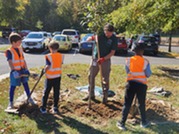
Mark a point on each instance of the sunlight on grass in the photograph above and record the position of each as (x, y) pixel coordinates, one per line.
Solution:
(73, 124)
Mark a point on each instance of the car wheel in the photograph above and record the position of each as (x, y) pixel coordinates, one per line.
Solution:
(125, 52)
(44, 47)
(155, 53)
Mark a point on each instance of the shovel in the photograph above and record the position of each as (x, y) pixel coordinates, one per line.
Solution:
(41, 74)
(134, 108)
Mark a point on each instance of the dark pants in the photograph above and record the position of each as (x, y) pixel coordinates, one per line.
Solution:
(49, 83)
(134, 88)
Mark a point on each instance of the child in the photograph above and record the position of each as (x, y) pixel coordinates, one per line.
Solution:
(138, 70)
(18, 68)
(53, 73)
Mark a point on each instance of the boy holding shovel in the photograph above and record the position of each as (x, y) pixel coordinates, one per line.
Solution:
(19, 71)
(53, 72)
(138, 70)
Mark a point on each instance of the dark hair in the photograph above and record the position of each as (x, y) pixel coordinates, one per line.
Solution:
(14, 37)
(139, 46)
(109, 27)
(54, 45)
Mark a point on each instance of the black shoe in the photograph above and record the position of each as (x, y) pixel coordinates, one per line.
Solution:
(121, 126)
(87, 97)
(55, 110)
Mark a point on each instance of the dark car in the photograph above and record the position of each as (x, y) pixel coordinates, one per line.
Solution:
(122, 46)
(85, 46)
(150, 42)
(24, 33)
(157, 37)
(7, 31)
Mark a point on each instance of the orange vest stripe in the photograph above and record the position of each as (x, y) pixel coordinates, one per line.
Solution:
(55, 67)
(137, 65)
(18, 61)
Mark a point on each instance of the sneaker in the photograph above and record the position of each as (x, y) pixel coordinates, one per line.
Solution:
(87, 97)
(121, 126)
(31, 101)
(55, 110)
(144, 125)
(43, 110)
(10, 105)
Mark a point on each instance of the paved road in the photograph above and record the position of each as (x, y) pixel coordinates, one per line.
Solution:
(37, 60)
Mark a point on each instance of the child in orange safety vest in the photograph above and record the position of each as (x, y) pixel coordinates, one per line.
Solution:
(53, 73)
(19, 71)
(138, 70)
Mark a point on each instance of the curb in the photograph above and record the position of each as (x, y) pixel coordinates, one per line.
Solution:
(4, 76)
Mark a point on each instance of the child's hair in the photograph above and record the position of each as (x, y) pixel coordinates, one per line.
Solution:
(54, 45)
(14, 37)
(139, 46)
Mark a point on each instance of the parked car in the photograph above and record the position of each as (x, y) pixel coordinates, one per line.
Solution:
(7, 31)
(73, 34)
(85, 46)
(56, 32)
(150, 42)
(34, 40)
(122, 46)
(24, 33)
(64, 42)
(158, 38)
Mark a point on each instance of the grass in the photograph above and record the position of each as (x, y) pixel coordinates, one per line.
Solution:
(73, 124)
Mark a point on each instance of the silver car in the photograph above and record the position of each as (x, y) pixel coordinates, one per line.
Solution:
(34, 40)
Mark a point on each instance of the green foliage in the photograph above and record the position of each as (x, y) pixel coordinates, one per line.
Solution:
(97, 14)
(147, 16)
(130, 16)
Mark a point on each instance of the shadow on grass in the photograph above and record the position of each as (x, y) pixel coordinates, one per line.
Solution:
(158, 124)
(161, 123)
(79, 126)
(51, 123)
(164, 75)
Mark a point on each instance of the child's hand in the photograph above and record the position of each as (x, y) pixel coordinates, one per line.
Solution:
(16, 74)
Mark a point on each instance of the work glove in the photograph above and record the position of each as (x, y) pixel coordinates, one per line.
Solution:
(25, 72)
(16, 74)
(101, 60)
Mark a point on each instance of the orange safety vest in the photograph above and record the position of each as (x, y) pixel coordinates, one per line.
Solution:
(55, 68)
(17, 61)
(137, 66)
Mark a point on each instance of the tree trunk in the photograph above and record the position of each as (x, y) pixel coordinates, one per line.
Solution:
(170, 42)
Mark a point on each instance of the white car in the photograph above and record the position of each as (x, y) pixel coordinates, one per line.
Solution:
(34, 40)
(73, 34)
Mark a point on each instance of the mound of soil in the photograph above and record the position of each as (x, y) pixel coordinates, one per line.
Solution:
(157, 110)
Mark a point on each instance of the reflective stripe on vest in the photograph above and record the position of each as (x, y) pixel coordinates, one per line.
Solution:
(55, 67)
(137, 65)
(18, 62)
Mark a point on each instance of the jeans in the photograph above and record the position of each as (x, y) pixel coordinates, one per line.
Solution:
(134, 88)
(49, 83)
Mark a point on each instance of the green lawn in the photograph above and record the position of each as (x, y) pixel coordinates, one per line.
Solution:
(76, 122)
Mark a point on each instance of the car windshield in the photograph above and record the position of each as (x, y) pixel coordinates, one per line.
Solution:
(86, 36)
(69, 33)
(60, 38)
(36, 36)
(24, 31)
(145, 38)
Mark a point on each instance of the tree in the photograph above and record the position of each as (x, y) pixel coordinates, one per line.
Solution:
(97, 13)
(147, 16)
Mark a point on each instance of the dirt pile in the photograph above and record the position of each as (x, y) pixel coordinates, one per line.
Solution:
(157, 110)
